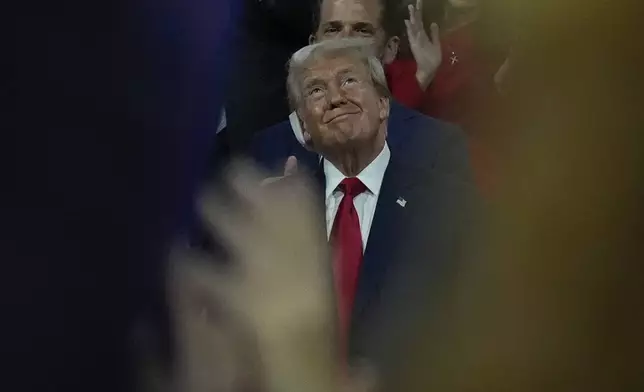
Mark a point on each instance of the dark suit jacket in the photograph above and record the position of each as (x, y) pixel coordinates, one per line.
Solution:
(412, 136)
(418, 242)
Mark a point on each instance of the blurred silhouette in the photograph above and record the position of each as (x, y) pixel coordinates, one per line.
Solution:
(267, 322)
(112, 106)
(471, 47)
(554, 301)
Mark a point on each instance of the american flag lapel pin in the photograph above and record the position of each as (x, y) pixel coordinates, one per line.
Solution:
(401, 202)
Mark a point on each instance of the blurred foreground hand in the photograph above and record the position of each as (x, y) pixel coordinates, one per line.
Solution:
(268, 319)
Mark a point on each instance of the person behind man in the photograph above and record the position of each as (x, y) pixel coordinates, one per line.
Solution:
(412, 134)
(387, 218)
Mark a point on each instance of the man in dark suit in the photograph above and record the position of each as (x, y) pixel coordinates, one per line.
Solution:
(420, 138)
(397, 225)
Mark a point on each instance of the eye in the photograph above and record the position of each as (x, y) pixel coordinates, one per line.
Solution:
(314, 92)
(364, 31)
(349, 80)
(331, 30)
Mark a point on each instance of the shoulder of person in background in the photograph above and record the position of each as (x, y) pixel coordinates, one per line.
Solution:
(271, 148)
(271, 144)
(422, 139)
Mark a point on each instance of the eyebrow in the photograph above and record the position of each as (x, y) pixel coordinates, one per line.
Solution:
(332, 23)
(312, 81)
(365, 26)
(346, 70)
(354, 25)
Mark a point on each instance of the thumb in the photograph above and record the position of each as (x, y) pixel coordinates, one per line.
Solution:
(435, 32)
(291, 166)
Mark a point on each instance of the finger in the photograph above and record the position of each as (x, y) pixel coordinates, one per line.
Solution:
(412, 15)
(290, 167)
(419, 14)
(270, 180)
(292, 219)
(198, 291)
(243, 177)
(411, 35)
(245, 181)
(435, 33)
(224, 220)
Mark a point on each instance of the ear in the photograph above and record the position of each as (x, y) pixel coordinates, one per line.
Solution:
(383, 106)
(311, 39)
(308, 139)
(391, 50)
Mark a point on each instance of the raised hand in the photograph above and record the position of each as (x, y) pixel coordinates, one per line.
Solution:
(290, 168)
(426, 52)
(279, 287)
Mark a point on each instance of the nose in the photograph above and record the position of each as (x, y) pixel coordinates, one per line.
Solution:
(336, 95)
(346, 32)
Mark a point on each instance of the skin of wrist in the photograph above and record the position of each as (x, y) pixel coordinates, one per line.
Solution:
(424, 78)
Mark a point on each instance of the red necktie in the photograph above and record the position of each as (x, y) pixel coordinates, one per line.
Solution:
(346, 238)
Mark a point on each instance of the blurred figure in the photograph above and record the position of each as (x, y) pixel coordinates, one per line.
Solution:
(464, 67)
(266, 322)
(111, 106)
(410, 134)
(555, 301)
(461, 89)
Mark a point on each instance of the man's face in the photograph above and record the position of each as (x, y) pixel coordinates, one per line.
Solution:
(341, 108)
(355, 18)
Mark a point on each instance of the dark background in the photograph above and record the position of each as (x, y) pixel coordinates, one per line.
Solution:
(111, 111)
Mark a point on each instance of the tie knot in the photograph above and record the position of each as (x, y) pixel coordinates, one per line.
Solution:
(352, 187)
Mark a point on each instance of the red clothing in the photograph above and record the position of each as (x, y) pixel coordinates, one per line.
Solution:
(347, 242)
(462, 92)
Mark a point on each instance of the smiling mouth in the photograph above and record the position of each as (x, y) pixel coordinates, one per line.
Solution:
(340, 117)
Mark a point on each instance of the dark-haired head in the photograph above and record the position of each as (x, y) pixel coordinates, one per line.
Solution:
(377, 19)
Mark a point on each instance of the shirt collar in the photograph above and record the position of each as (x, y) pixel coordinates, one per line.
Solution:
(296, 126)
(371, 176)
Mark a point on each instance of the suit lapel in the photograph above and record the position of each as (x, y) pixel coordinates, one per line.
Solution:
(390, 217)
(394, 210)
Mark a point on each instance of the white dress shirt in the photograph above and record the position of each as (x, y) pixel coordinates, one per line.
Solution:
(296, 126)
(365, 203)
(222, 121)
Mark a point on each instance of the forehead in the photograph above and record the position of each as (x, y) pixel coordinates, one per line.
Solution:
(350, 11)
(329, 66)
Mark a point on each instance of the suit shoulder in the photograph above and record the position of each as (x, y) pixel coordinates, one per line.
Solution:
(432, 142)
(433, 127)
(283, 127)
(271, 145)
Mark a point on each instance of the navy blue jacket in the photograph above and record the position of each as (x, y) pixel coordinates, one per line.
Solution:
(420, 240)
